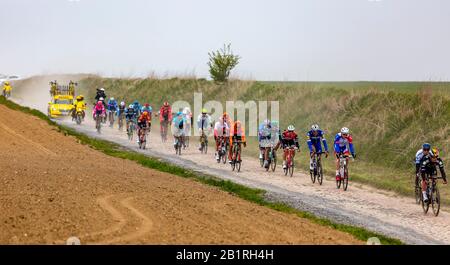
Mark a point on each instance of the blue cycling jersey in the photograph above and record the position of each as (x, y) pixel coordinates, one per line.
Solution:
(112, 105)
(316, 141)
(341, 143)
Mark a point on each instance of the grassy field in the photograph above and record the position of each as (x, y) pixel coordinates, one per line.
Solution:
(389, 120)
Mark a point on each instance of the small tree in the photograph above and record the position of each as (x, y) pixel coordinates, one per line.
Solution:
(221, 62)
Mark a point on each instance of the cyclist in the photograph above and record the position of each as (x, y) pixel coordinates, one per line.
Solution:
(265, 140)
(112, 104)
(289, 138)
(203, 124)
(315, 138)
(187, 114)
(149, 109)
(341, 141)
(121, 110)
(221, 130)
(130, 115)
(137, 108)
(7, 89)
(99, 109)
(165, 116)
(143, 123)
(78, 104)
(428, 159)
(178, 125)
(237, 134)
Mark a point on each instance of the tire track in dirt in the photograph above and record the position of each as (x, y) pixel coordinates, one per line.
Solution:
(122, 220)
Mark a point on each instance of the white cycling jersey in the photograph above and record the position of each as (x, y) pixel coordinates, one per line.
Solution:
(419, 155)
(203, 122)
(220, 127)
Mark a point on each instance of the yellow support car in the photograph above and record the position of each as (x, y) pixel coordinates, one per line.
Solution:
(61, 105)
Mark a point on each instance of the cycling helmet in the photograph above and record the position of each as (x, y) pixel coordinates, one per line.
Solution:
(426, 146)
(6, 83)
(131, 106)
(147, 105)
(112, 98)
(291, 128)
(345, 130)
(122, 103)
(179, 113)
(78, 97)
(266, 122)
(166, 103)
(204, 111)
(101, 99)
(102, 89)
(315, 127)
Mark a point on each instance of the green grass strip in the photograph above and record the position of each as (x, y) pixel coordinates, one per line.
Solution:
(246, 193)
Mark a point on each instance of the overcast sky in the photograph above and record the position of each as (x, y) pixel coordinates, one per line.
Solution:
(277, 40)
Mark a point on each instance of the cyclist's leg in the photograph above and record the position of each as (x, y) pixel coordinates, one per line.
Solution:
(239, 153)
(230, 151)
(337, 166)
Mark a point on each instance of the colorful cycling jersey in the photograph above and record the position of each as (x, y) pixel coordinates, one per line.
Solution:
(316, 141)
(165, 113)
(419, 155)
(203, 122)
(289, 138)
(264, 132)
(221, 129)
(341, 143)
(99, 109)
(121, 109)
(112, 105)
(149, 109)
(237, 132)
(137, 108)
(130, 113)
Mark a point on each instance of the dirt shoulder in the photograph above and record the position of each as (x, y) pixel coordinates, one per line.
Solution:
(52, 188)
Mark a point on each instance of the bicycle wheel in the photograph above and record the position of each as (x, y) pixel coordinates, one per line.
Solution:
(291, 168)
(338, 183)
(425, 205)
(144, 141)
(286, 169)
(435, 201)
(234, 157)
(273, 165)
(345, 180)
(224, 156)
(319, 172)
(417, 191)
